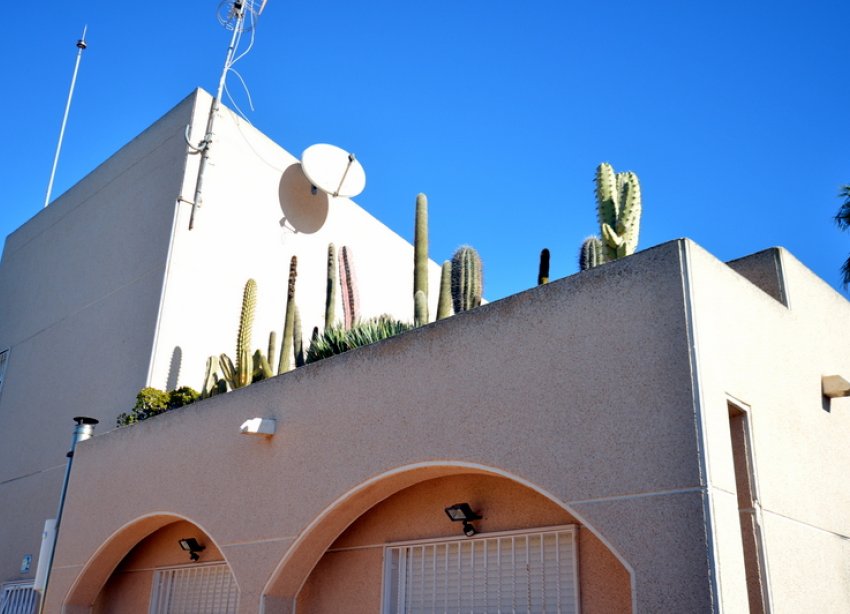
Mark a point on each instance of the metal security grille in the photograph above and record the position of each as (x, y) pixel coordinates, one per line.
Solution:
(19, 598)
(521, 572)
(204, 589)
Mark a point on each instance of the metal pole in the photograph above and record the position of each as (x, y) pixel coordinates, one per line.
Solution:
(205, 144)
(81, 45)
(84, 430)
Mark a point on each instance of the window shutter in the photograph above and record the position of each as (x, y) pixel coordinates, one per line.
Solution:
(187, 590)
(18, 598)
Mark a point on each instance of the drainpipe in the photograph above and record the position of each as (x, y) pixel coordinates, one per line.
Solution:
(82, 431)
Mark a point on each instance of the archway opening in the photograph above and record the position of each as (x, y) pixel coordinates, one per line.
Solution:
(358, 567)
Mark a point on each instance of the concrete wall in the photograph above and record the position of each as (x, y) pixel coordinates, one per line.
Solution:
(768, 359)
(349, 576)
(257, 213)
(107, 290)
(580, 390)
(79, 294)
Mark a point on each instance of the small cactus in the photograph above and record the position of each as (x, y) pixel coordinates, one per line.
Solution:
(272, 347)
(467, 279)
(286, 343)
(543, 269)
(210, 378)
(590, 254)
(297, 340)
(330, 288)
(262, 369)
(444, 305)
(348, 284)
(420, 261)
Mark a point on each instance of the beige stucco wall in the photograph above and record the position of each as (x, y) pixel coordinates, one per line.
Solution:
(107, 290)
(79, 293)
(349, 576)
(580, 390)
(754, 351)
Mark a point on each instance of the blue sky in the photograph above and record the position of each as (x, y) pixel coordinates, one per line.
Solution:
(734, 115)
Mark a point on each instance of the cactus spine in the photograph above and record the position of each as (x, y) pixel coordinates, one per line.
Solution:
(330, 288)
(590, 253)
(286, 343)
(444, 305)
(298, 340)
(348, 285)
(543, 269)
(618, 209)
(467, 279)
(420, 262)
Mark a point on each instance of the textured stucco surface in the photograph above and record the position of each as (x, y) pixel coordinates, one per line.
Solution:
(519, 387)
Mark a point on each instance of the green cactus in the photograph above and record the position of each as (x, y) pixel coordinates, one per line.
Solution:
(618, 208)
(420, 309)
(261, 367)
(286, 343)
(239, 375)
(348, 284)
(330, 288)
(543, 269)
(444, 305)
(590, 253)
(272, 347)
(420, 261)
(467, 279)
(298, 340)
(211, 379)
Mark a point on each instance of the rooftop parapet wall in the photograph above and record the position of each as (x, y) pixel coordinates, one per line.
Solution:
(580, 388)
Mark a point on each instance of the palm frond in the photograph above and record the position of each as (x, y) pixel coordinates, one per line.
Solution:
(842, 218)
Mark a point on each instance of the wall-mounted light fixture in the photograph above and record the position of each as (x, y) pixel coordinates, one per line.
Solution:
(834, 386)
(263, 427)
(462, 512)
(191, 545)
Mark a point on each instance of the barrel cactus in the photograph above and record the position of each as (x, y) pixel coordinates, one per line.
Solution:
(467, 279)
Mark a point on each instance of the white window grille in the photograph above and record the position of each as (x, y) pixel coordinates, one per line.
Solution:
(18, 598)
(200, 589)
(529, 572)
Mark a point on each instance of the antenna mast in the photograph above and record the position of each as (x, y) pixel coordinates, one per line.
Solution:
(81, 45)
(234, 19)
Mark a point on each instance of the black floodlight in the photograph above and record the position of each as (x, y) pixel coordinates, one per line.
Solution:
(462, 512)
(191, 545)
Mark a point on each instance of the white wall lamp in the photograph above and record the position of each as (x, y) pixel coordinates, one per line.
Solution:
(834, 386)
(262, 427)
(462, 512)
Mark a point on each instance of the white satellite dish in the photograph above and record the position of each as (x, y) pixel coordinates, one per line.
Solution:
(333, 170)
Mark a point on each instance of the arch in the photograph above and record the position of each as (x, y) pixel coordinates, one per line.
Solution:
(292, 572)
(99, 568)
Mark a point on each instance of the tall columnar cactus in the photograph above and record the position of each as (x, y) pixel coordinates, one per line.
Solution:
(444, 305)
(298, 339)
(239, 374)
(420, 261)
(348, 285)
(286, 343)
(272, 347)
(543, 269)
(420, 309)
(330, 288)
(590, 253)
(467, 279)
(618, 208)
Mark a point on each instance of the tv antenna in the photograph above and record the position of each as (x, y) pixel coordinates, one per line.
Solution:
(238, 16)
(81, 45)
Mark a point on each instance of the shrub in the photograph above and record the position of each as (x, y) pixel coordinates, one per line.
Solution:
(151, 402)
(337, 339)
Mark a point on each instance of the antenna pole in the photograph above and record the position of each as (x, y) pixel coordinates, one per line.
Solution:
(239, 12)
(81, 45)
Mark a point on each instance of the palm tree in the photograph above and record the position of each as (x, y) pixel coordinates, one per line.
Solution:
(842, 218)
